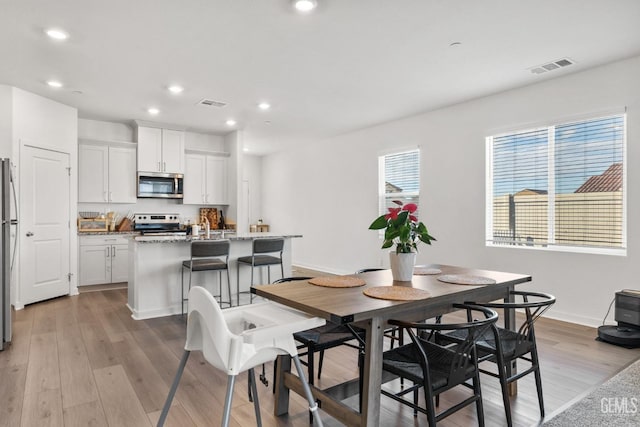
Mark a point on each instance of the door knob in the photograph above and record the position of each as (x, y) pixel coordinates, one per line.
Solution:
(29, 234)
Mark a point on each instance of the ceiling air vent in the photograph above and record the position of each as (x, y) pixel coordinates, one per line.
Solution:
(211, 103)
(560, 63)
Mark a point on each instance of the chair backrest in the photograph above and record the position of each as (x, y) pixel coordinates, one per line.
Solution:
(534, 305)
(209, 248)
(205, 322)
(291, 279)
(367, 270)
(461, 356)
(263, 246)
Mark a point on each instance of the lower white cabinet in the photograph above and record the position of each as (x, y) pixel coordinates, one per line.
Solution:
(103, 259)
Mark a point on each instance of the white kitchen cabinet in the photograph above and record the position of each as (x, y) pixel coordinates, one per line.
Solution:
(93, 265)
(206, 181)
(119, 263)
(217, 181)
(160, 150)
(107, 173)
(103, 259)
(194, 185)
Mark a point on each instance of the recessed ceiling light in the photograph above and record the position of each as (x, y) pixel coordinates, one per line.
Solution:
(57, 34)
(305, 6)
(175, 89)
(153, 111)
(245, 149)
(264, 106)
(230, 122)
(54, 83)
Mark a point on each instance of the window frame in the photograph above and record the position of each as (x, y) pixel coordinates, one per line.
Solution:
(382, 207)
(551, 156)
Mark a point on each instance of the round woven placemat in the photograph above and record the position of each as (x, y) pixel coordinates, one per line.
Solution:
(425, 271)
(466, 279)
(396, 293)
(337, 281)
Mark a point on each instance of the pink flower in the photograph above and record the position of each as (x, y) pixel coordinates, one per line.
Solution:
(411, 207)
(393, 213)
(413, 218)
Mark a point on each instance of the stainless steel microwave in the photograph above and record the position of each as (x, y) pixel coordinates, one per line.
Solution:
(160, 185)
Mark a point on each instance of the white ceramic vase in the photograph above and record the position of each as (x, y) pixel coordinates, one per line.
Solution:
(402, 266)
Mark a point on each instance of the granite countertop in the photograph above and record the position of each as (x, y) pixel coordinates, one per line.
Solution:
(214, 236)
(108, 233)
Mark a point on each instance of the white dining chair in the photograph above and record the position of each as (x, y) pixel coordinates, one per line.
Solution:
(237, 339)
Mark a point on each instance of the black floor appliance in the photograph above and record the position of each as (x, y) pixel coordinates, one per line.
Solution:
(627, 314)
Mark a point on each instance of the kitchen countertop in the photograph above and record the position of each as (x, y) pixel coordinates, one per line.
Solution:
(108, 233)
(214, 236)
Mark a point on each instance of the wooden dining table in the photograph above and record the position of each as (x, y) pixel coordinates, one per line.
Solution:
(351, 306)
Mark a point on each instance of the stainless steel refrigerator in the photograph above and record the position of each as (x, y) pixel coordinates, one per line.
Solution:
(7, 249)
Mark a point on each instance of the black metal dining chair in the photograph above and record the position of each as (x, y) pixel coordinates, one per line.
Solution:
(436, 368)
(503, 346)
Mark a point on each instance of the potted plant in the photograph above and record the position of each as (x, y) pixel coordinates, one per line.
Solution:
(405, 231)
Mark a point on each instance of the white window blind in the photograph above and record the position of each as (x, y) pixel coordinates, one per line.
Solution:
(400, 178)
(559, 186)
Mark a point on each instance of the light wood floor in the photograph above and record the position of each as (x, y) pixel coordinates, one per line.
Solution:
(82, 361)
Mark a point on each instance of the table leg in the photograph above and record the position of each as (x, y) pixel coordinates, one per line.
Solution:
(510, 323)
(372, 380)
(281, 406)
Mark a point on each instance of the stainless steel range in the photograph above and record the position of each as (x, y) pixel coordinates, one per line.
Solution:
(158, 224)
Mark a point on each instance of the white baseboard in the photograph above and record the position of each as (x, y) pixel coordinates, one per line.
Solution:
(573, 318)
(150, 314)
(320, 268)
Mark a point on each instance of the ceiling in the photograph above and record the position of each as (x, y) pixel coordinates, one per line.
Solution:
(349, 65)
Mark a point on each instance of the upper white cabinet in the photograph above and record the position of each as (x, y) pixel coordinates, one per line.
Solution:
(160, 150)
(107, 172)
(217, 181)
(206, 182)
(194, 186)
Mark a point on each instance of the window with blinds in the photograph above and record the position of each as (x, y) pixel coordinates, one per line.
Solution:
(561, 186)
(399, 178)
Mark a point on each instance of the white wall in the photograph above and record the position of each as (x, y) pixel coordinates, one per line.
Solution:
(252, 176)
(6, 120)
(43, 123)
(109, 131)
(328, 191)
(233, 146)
(104, 131)
(203, 141)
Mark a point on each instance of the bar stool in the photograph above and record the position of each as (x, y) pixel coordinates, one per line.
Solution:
(204, 257)
(259, 259)
(237, 340)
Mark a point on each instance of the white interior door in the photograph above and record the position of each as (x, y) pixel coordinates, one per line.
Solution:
(45, 216)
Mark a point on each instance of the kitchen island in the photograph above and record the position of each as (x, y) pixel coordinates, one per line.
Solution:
(155, 266)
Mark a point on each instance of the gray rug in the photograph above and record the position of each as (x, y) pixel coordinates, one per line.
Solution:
(614, 403)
